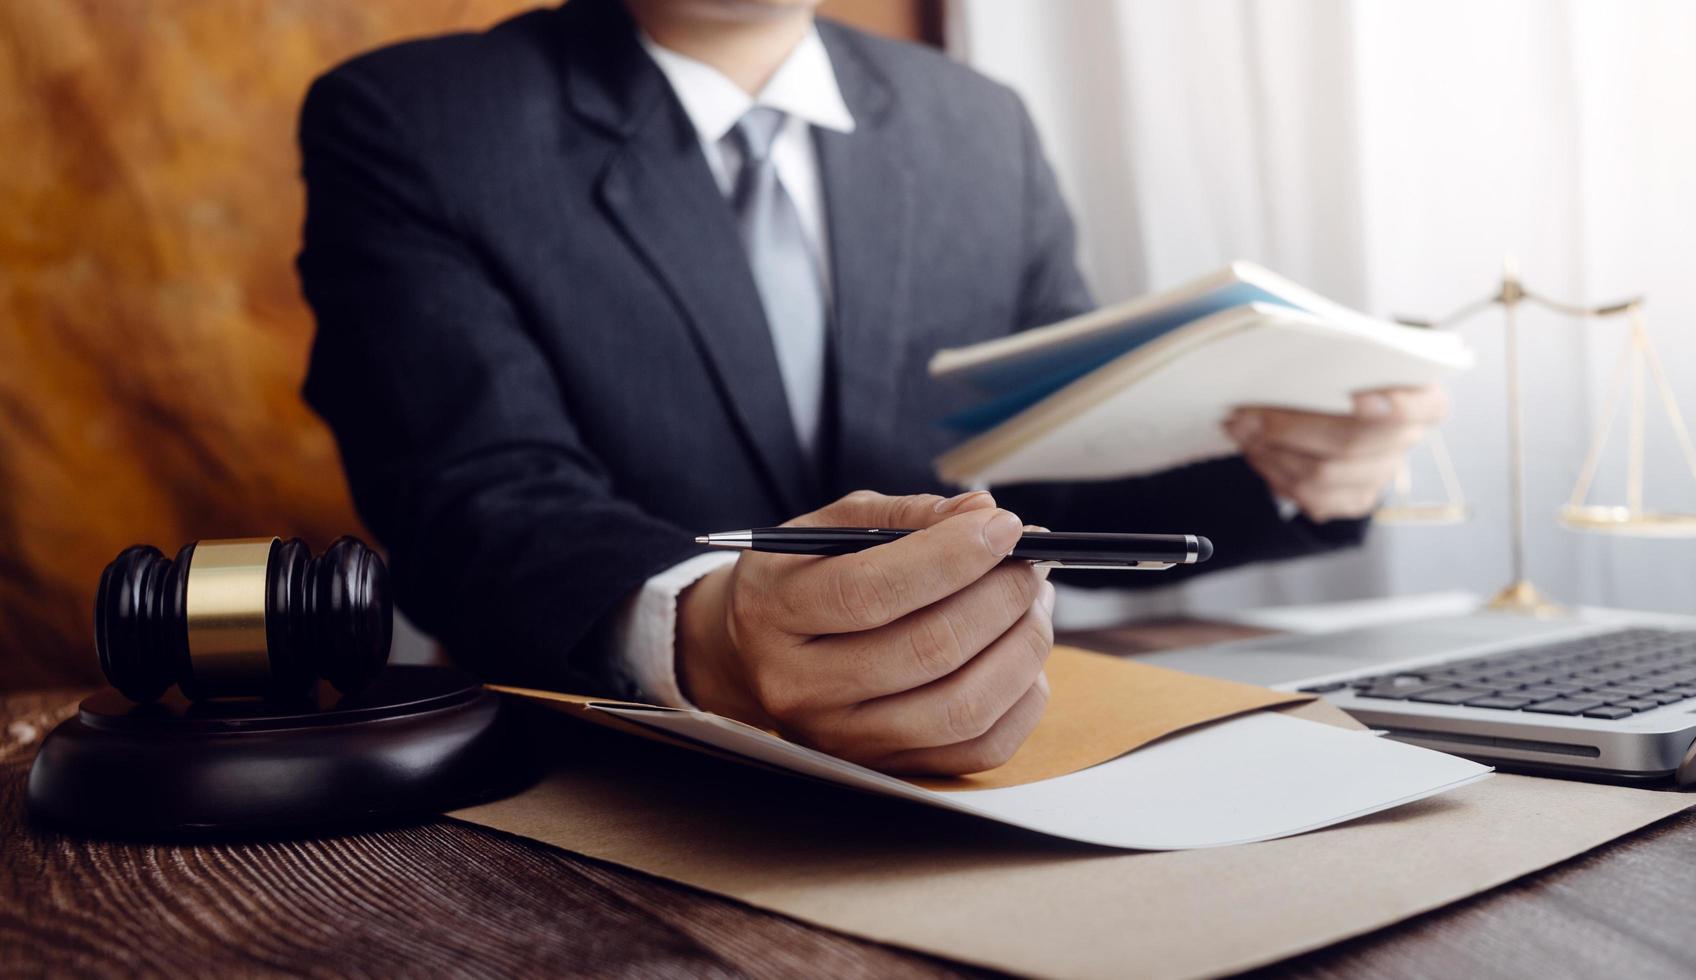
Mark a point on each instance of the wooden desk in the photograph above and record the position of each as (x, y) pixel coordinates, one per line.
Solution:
(442, 897)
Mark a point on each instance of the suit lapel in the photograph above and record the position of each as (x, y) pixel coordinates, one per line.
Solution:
(660, 193)
(869, 202)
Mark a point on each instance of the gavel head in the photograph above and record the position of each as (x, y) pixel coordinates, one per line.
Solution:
(243, 618)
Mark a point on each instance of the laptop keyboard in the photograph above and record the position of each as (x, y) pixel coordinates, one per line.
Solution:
(1609, 675)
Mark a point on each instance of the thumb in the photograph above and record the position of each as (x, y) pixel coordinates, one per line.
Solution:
(868, 508)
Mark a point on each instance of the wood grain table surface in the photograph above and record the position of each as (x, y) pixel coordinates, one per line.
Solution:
(445, 898)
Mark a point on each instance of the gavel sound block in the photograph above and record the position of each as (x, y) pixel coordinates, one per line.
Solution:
(250, 697)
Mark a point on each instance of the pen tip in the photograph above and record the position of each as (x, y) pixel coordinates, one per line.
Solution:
(703, 539)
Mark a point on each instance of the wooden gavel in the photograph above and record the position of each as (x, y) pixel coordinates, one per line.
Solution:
(249, 617)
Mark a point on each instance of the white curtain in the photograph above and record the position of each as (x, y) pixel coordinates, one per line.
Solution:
(1389, 153)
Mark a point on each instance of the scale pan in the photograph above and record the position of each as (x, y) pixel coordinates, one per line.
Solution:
(1624, 521)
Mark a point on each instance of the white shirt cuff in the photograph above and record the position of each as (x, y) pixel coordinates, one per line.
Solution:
(647, 628)
(1288, 510)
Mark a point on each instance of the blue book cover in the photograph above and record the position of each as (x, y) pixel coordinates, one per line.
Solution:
(1012, 384)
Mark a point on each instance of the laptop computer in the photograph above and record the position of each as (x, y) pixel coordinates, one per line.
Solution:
(1610, 698)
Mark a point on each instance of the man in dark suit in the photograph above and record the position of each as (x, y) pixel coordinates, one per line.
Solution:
(611, 275)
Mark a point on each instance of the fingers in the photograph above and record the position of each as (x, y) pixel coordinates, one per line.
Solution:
(1336, 466)
(1389, 420)
(1425, 405)
(873, 588)
(987, 751)
(961, 707)
(1319, 434)
(926, 645)
(1297, 471)
(1324, 489)
(867, 508)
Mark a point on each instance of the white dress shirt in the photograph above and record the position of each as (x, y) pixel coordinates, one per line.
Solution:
(803, 87)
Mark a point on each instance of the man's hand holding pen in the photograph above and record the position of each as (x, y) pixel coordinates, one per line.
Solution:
(922, 655)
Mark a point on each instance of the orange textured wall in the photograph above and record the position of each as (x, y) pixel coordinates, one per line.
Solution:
(152, 336)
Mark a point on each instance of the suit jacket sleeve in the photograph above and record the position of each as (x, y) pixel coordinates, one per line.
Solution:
(1223, 499)
(505, 538)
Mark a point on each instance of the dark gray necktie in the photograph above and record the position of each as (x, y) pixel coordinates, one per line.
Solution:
(784, 268)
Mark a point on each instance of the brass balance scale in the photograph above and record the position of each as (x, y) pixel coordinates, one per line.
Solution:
(1638, 366)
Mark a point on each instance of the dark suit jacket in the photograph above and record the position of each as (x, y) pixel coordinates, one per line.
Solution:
(545, 362)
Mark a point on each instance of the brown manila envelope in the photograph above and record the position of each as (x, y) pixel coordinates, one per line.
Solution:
(1078, 777)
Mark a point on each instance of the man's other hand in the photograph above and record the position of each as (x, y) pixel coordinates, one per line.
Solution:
(1337, 466)
(922, 655)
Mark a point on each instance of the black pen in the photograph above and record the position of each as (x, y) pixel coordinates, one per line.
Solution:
(1051, 549)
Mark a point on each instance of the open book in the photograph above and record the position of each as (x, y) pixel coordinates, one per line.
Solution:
(1128, 755)
(1144, 386)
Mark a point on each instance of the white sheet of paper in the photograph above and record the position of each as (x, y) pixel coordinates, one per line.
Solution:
(1252, 778)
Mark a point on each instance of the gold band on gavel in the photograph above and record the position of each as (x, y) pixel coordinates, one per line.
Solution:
(225, 602)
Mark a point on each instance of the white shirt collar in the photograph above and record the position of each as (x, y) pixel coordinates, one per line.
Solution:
(804, 86)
